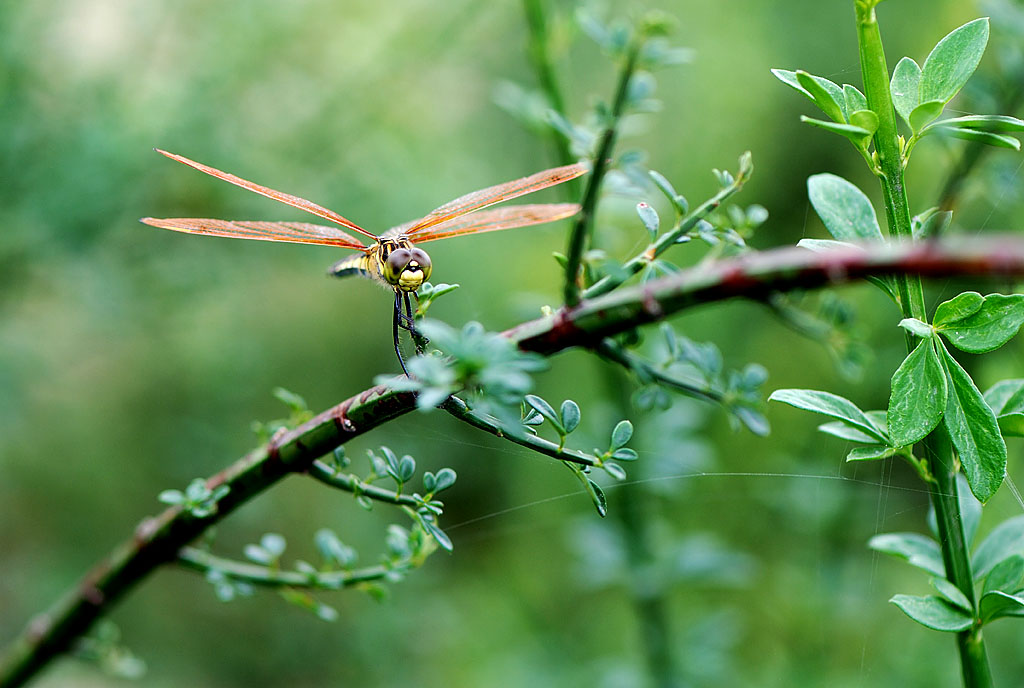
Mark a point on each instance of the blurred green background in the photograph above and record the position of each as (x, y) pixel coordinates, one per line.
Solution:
(133, 360)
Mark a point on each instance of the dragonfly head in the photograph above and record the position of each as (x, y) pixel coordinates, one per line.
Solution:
(407, 268)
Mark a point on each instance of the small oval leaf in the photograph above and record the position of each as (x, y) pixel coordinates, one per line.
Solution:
(570, 413)
(905, 87)
(934, 612)
(621, 434)
(953, 60)
(843, 208)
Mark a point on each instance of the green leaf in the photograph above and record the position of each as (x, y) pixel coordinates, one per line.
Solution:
(998, 603)
(1011, 424)
(921, 330)
(621, 434)
(870, 453)
(570, 413)
(858, 135)
(752, 420)
(952, 594)
(597, 497)
(957, 308)
(826, 95)
(905, 86)
(931, 223)
(544, 408)
(1005, 540)
(440, 537)
(934, 612)
(953, 60)
(843, 208)
(880, 421)
(918, 395)
(1006, 399)
(273, 543)
(444, 479)
(171, 496)
(989, 139)
(974, 431)
(293, 401)
(925, 113)
(391, 460)
(1006, 575)
(918, 550)
(614, 470)
(822, 245)
(843, 431)
(649, 217)
(625, 454)
(258, 554)
(406, 469)
(855, 100)
(865, 119)
(829, 404)
(788, 77)
(665, 186)
(993, 123)
(989, 327)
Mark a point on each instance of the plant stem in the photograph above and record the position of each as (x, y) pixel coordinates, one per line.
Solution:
(348, 482)
(669, 239)
(757, 276)
(255, 574)
(579, 238)
(937, 446)
(458, 408)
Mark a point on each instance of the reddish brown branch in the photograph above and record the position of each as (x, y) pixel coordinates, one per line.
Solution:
(157, 540)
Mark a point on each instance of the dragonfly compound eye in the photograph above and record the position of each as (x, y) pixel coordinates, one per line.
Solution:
(407, 268)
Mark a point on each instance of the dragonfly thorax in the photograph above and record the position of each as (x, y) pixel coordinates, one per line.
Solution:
(402, 265)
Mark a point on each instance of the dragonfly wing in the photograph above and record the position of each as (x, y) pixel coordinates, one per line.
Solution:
(294, 201)
(507, 217)
(496, 194)
(295, 232)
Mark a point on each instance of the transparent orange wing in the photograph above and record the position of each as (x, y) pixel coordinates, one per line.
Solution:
(495, 194)
(295, 232)
(507, 217)
(294, 201)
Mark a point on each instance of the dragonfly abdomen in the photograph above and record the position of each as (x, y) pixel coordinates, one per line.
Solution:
(361, 264)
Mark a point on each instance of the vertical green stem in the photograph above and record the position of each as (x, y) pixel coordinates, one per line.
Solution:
(937, 446)
(581, 231)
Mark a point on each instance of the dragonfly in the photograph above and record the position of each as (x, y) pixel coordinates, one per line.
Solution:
(394, 258)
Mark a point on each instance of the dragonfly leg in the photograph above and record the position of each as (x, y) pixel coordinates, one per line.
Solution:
(394, 328)
(418, 339)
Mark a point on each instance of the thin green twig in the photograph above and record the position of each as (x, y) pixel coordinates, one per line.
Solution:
(348, 482)
(612, 351)
(671, 237)
(256, 574)
(458, 408)
(582, 229)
